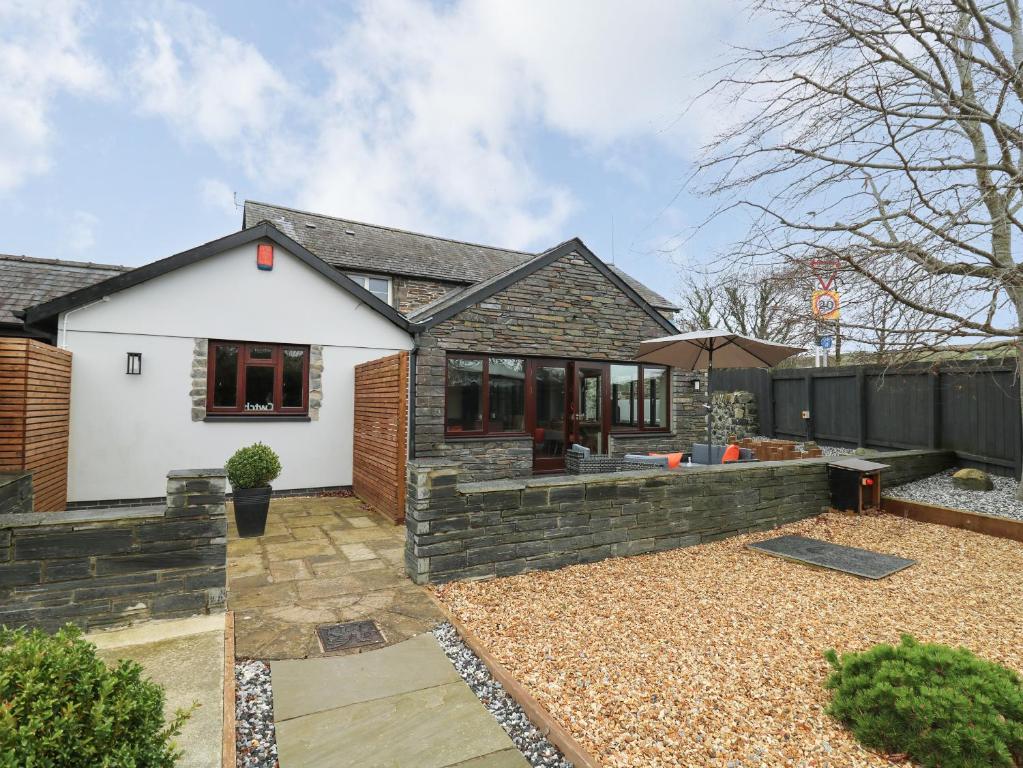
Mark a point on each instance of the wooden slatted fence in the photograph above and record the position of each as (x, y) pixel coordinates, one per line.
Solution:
(381, 434)
(35, 408)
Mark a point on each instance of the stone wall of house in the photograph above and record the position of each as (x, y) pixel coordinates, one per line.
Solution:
(470, 530)
(15, 493)
(567, 309)
(735, 413)
(110, 567)
(410, 293)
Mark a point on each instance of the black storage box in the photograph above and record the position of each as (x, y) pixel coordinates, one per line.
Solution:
(855, 485)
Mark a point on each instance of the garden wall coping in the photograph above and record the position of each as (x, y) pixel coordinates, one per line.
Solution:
(35, 519)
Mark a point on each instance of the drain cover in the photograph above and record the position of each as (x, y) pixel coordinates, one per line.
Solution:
(338, 637)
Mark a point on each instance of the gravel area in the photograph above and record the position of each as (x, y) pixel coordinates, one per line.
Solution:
(712, 655)
(254, 716)
(534, 745)
(938, 490)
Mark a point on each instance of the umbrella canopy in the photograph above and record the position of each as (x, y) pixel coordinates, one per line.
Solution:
(705, 349)
(700, 349)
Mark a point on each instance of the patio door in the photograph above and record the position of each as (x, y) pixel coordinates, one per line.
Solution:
(587, 408)
(566, 403)
(547, 413)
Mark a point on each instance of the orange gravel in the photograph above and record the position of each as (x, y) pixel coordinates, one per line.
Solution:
(711, 655)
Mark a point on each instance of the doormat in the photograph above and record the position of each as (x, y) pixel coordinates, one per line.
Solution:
(859, 562)
(339, 637)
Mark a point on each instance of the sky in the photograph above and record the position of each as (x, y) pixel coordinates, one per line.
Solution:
(130, 129)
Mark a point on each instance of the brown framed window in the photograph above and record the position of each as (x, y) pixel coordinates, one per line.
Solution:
(256, 379)
(485, 395)
(640, 397)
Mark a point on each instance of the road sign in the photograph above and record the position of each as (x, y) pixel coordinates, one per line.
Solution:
(825, 342)
(825, 305)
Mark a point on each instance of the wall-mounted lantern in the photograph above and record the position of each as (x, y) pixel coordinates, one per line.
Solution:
(134, 364)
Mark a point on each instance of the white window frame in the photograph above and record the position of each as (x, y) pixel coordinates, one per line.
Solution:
(363, 280)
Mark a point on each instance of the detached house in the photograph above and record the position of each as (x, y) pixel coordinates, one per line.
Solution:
(513, 356)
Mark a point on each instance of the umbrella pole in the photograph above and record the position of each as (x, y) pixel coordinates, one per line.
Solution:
(710, 405)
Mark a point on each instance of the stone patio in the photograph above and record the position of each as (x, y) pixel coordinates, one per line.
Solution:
(321, 561)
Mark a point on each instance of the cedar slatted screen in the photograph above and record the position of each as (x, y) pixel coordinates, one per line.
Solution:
(381, 434)
(35, 407)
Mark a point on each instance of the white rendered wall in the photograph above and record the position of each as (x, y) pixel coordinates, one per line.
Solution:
(128, 431)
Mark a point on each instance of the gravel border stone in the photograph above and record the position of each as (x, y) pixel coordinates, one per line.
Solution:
(938, 490)
(255, 737)
(535, 747)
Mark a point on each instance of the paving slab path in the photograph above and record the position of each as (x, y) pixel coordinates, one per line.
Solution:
(403, 706)
(322, 560)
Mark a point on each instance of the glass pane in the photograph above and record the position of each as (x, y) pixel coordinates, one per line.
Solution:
(225, 376)
(625, 395)
(359, 279)
(464, 395)
(655, 400)
(589, 407)
(293, 382)
(507, 394)
(549, 436)
(259, 388)
(378, 288)
(261, 353)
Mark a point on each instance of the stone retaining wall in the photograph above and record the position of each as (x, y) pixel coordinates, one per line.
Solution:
(109, 567)
(15, 493)
(498, 528)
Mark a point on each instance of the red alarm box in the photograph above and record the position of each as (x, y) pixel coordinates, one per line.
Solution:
(265, 256)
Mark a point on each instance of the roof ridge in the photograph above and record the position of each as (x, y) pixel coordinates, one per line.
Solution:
(395, 229)
(62, 262)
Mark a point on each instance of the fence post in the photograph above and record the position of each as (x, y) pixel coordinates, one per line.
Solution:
(934, 434)
(808, 379)
(768, 411)
(861, 407)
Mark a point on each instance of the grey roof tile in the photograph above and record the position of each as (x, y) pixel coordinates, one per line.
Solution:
(353, 245)
(26, 281)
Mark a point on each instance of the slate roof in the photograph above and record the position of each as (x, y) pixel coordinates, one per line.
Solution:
(355, 246)
(25, 281)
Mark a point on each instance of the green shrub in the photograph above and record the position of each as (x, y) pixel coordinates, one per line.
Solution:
(940, 706)
(253, 466)
(60, 705)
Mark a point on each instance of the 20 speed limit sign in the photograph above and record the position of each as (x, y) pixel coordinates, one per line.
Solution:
(825, 305)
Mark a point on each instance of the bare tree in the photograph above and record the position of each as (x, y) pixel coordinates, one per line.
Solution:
(766, 304)
(887, 135)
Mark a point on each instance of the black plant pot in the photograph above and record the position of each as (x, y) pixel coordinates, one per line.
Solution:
(250, 508)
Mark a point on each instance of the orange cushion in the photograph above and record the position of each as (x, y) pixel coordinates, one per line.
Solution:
(674, 459)
(731, 454)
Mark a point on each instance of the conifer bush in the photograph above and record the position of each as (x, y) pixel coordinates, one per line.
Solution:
(943, 707)
(61, 705)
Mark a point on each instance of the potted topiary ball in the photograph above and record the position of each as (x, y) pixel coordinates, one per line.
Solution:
(250, 471)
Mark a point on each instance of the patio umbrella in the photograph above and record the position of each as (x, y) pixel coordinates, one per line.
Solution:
(703, 349)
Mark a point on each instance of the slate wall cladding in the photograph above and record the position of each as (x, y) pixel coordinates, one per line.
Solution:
(15, 493)
(101, 568)
(474, 530)
(410, 293)
(200, 361)
(735, 413)
(566, 309)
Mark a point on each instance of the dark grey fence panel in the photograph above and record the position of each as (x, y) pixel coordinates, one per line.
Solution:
(972, 410)
(835, 412)
(897, 407)
(789, 402)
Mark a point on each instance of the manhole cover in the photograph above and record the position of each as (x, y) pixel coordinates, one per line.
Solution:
(338, 637)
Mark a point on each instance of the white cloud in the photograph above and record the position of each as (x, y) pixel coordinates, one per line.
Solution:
(42, 55)
(81, 231)
(218, 196)
(429, 113)
(208, 85)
